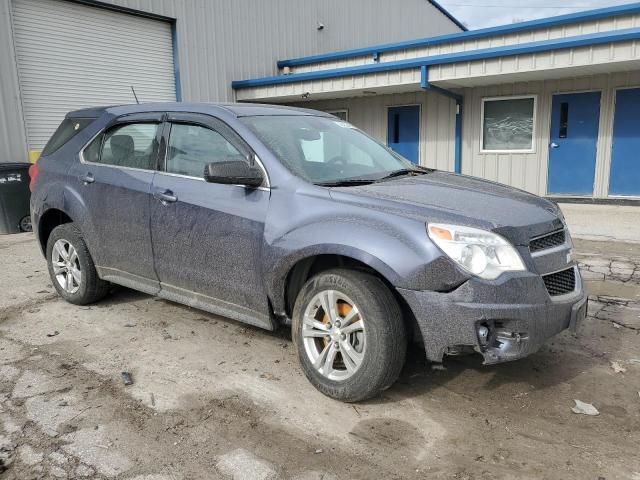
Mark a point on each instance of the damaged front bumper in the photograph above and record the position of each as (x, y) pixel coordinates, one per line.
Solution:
(503, 320)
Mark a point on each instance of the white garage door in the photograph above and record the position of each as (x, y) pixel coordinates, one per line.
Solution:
(73, 56)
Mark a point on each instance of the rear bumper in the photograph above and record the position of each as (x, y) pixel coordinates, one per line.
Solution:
(517, 312)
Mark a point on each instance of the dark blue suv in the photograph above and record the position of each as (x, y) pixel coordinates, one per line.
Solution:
(280, 216)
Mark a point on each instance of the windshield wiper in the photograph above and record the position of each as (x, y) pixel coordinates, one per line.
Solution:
(406, 171)
(349, 182)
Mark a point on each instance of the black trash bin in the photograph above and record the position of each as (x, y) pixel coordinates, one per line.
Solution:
(14, 198)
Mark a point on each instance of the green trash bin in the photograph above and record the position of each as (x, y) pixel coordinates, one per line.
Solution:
(14, 198)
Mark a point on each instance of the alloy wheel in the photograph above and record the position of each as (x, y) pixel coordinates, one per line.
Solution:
(333, 334)
(66, 266)
(25, 224)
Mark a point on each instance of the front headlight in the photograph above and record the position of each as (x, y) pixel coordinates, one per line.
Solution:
(479, 252)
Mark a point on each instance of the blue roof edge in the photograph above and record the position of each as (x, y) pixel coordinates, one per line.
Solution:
(469, 55)
(449, 15)
(587, 15)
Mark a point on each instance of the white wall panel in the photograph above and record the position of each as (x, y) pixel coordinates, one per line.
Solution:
(437, 121)
(528, 171)
(558, 32)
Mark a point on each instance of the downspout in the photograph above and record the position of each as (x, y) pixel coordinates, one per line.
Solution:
(424, 83)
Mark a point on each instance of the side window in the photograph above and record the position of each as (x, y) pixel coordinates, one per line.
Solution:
(92, 151)
(68, 129)
(192, 147)
(132, 145)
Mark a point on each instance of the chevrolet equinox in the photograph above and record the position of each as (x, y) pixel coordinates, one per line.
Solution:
(282, 216)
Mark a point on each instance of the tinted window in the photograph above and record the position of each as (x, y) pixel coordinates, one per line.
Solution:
(192, 147)
(92, 151)
(68, 129)
(132, 145)
(321, 149)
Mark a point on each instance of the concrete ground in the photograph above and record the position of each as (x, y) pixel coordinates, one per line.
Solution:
(216, 399)
(619, 223)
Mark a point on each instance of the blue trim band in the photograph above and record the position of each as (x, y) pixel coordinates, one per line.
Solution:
(588, 15)
(483, 54)
(424, 83)
(457, 163)
(448, 14)
(424, 77)
(176, 61)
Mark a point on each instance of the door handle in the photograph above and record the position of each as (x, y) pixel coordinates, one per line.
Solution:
(165, 196)
(87, 179)
(554, 145)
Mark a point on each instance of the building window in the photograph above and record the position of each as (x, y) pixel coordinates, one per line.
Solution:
(508, 124)
(341, 114)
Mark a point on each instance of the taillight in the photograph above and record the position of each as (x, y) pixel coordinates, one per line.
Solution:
(33, 175)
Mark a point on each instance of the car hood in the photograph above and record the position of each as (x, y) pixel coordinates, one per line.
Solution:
(451, 198)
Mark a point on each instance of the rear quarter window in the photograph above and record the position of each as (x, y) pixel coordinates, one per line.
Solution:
(68, 129)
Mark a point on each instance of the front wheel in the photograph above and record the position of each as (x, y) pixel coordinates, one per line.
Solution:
(349, 334)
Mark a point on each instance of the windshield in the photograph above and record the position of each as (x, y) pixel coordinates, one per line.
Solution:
(326, 150)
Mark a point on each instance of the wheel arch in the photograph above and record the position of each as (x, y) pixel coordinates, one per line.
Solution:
(49, 220)
(307, 267)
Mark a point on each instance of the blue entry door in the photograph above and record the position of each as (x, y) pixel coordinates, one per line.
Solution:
(624, 178)
(403, 131)
(573, 142)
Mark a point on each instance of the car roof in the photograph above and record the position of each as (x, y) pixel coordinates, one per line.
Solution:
(236, 109)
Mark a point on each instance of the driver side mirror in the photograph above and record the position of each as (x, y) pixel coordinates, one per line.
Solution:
(233, 172)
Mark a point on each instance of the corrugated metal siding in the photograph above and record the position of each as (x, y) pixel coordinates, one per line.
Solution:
(565, 31)
(13, 142)
(528, 171)
(225, 40)
(73, 56)
(437, 122)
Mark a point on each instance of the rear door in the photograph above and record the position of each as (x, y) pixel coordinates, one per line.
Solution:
(114, 180)
(207, 238)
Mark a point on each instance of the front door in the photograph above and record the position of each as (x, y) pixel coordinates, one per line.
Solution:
(403, 131)
(624, 179)
(207, 238)
(573, 142)
(114, 182)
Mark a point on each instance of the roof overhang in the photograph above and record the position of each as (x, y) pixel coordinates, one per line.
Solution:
(560, 20)
(556, 58)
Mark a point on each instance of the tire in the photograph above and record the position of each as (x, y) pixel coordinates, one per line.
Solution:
(85, 288)
(25, 224)
(380, 345)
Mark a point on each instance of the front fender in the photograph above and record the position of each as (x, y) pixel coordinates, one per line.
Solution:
(399, 252)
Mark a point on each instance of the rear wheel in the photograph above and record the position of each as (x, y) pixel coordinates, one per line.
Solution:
(71, 268)
(349, 334)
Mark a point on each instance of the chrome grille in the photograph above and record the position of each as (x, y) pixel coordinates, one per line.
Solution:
(550, 240)
(560, 283)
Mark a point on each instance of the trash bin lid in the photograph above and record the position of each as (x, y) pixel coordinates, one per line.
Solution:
(14, 165)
